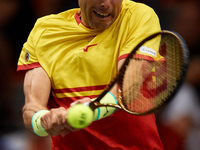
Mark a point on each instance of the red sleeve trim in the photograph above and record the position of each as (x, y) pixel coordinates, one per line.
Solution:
(123, 56)
(137, 56)
(28, 66)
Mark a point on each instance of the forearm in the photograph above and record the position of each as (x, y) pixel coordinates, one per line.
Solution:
(28, 111)
(42, 122)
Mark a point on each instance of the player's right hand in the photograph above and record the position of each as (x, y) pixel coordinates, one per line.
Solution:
(54, 122)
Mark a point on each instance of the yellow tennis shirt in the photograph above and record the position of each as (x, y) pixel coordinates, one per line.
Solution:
(81, 61)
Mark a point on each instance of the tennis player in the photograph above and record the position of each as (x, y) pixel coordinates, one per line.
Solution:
(73, 56)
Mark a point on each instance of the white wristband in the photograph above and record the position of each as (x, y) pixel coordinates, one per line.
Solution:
(36, 124)
(102, 112)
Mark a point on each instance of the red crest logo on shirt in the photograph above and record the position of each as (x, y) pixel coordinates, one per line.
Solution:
(26, 56)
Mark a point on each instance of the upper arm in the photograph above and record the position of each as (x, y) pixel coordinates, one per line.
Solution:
(140, 68)
(37, 87)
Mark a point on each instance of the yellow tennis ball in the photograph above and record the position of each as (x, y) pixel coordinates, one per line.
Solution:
(79, 116)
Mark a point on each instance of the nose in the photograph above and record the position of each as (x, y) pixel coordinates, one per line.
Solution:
(105, 3)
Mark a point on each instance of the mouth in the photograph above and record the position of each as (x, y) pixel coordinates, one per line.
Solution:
(102, 15)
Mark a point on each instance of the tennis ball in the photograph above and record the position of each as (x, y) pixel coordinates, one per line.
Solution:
(79, 116)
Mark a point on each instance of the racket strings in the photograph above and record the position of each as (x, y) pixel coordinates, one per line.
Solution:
(171, 69)
(146, 87)
(133, 83)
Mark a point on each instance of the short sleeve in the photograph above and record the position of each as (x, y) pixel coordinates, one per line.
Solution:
(142, 22)
(28, 59)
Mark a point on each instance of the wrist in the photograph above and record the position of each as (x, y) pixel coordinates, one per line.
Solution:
(36, 123)
(102, 112)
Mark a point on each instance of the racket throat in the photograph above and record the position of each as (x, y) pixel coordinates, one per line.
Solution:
(93, 105)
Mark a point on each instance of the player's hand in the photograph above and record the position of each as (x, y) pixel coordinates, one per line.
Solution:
(81, 101)
(54, 122)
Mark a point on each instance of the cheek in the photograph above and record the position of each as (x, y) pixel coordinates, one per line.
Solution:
(116, 14)
(117, 8)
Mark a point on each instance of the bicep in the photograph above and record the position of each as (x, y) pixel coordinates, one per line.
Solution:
(37, 86)
(114, 90)
(138, 65)
(139, 68)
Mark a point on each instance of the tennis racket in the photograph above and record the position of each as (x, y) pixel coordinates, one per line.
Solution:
(144, 86)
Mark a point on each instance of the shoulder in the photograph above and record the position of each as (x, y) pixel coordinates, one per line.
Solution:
(55, 20)
(138, 14)
(135, 8)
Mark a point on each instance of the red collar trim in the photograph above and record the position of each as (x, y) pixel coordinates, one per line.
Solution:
(78, 20)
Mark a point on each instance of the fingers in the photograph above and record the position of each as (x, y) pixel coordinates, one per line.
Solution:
(55, 122)
(63, 133)
(81, 101)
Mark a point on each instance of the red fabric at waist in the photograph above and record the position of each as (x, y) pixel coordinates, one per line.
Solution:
(120, 131)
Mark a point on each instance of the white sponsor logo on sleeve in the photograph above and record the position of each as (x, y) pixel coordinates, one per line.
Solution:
(147, 50)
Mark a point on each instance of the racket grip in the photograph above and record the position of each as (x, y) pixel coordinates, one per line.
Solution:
(86, 103)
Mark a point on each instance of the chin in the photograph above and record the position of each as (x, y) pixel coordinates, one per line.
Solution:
(101, 26)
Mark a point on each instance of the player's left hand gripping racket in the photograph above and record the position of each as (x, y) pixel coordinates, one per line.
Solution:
(144, 88)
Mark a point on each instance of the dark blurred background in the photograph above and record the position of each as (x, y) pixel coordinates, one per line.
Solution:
(178, 123)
